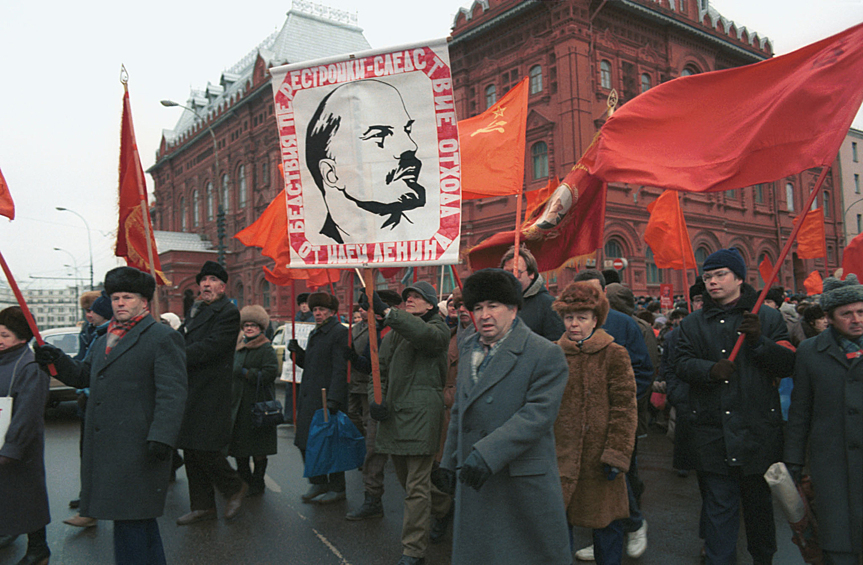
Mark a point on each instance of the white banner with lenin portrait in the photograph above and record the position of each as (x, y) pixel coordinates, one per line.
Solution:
(369, 145)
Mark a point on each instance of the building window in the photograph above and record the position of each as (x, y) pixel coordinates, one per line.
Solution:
(789, 197)
(239, 295)
(856, 183)
(539, 153)
(701, 255)
(605, 74)
(826, 196)
(265, 174)
(654, 275)
(490, 96)
(183, 214)
(731, 194)
(226, 196)
(613, 249)
(689, 70)
(759, 194)
(265, 294)
(210, 202)
(859, 223)
(535, 79)
(196, 209)
(241, 174)
(645, 82)
(854, 151)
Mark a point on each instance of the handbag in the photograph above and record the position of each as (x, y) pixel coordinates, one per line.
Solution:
(266, 413)
(6, 406)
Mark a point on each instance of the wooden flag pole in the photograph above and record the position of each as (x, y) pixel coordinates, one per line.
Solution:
(27, 315)
(368, 277)
(294, 357)
(517, 234)
(324, 404)
(782, 256)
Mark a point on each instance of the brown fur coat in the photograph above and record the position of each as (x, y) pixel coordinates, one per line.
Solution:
(595, 426)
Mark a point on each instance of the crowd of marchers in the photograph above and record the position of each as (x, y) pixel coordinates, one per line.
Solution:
(510, 416)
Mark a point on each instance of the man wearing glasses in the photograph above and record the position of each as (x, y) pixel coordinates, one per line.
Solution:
(736, 418)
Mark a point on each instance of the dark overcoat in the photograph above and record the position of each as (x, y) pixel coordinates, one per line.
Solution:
(211, 335)
(537, 312)
(23, 496)
(508, 416)
(827, 414)
(735, 423)
(259, 359)
(137, 394)
(324, 366)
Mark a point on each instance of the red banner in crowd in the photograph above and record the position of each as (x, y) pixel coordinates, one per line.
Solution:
(811, 241)
(666, 233)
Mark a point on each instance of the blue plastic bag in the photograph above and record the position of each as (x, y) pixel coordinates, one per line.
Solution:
(333, 446)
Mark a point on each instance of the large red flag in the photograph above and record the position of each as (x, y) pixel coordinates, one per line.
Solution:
(666, 233)
(570, 224)
(813, 284)
(7, 207)
(492, 147)
(738, 127)
(811, 241)
(131, 235)
(852, 257)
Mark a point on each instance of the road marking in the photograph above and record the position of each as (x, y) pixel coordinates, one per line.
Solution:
(326, 542)
(271, 484)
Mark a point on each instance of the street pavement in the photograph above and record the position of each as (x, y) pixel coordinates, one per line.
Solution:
(277, 528)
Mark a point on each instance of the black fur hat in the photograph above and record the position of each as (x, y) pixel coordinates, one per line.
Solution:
(212, 268)
(492, 284)
(839, 293)
(128, 279)
(324, 299)
(14, 320)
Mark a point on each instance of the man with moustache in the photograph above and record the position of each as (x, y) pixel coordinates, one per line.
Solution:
(211, 331)
(343, 156)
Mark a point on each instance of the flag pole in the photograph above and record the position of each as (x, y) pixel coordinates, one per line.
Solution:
(517, 230)
(293, 356)
(23, 304)
(369, 279)
(782, 256)
(350, 319)
(680, 224)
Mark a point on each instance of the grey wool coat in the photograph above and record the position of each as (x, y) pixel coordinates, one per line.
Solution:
(211, 336)
(137, 394)
(23, 496)
(508, 416)
(827, 414)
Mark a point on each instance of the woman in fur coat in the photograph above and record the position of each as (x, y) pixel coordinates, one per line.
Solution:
(595, 428)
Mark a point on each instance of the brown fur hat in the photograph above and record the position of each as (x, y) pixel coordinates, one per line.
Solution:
(582, 295)
(324, 299)
(255, 314)
(88, 298)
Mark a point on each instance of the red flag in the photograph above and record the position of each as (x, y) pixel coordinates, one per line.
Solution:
(738, 127)
(852, 257)
(492, 147)
(765, 269)
(561, 229)
(813, 284)
(131, 238)
(536, 198)
(7, 207)
(666, 233)
(811, 241)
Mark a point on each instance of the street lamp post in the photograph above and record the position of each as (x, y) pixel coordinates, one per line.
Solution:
(75, 263)
(218, 180)
(89, 240)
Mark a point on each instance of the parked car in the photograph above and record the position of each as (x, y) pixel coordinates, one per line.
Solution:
(67, 340)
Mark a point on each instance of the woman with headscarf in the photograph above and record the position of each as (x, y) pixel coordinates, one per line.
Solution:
(595, 428)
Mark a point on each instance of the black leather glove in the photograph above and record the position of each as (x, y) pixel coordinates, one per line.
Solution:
(444, 480)
(610, 472)
(474, 473)
(379, 305)
(796, 472)
(351, 355)
(294, 346)
(158, 450)
(722, 371)
(333, 406)
(751, 327)
(47, 354)
(379, 412)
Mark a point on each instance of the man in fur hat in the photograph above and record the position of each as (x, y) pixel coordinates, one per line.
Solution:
(736, 415)
(536, 311)
(211, 330)
(826, 413)
(509, 502)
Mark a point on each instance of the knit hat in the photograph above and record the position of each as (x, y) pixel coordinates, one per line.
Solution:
(582, 295)
(14, 320)
(730, 259)
(424, 289)
(212, 268)
(86, 300)
(839, 293)
(128, 279)
(492, 284)
(776, 294)
(102, 306)
(255, 314)
(323, 299)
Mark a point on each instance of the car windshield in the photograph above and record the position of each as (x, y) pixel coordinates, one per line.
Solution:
(67, 342)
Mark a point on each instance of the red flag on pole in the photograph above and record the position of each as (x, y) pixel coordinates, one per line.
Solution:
(813, 284)
(492, 147)
(666, 233)
(536, 198)
(811, 241)
(738, 127)
(135, 226)
(7, 207)
(852, 257)
(765, 269)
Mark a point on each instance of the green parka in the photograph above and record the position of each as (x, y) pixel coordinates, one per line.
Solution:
(413, 360)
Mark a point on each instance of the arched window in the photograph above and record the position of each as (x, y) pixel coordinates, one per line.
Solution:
(265, 294)
(645, 82)
(535, 74)
(241, 174)
(700, 256)
(613, 249)
(654, 275)
(490, 96)
(196, 209)
(689, 70)
(226, 195)
(826, 204)
(789, 197)
(605, 74)
(183, 214)
(539, 153)
(210, 202)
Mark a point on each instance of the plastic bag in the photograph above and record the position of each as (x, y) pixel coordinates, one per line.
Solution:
(333, 446)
